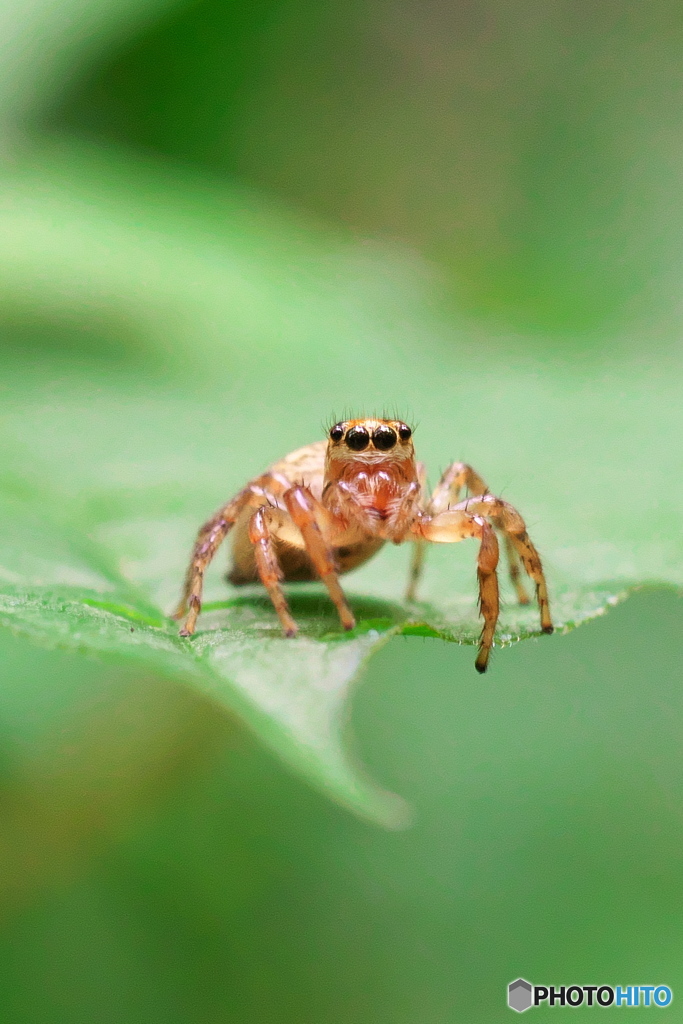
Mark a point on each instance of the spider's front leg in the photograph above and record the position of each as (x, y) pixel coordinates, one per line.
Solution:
(509, 520)
(300, 526)
(315, 523)
(306, 524)
(447, 493)
(449, 528)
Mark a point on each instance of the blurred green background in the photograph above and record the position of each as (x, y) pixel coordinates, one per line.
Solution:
(267, 204)
(527, 146)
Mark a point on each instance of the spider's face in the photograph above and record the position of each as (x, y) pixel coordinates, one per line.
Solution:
(370, 440)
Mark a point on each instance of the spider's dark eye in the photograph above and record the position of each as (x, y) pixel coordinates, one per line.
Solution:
(357, 439)
(404, 432)
(384, 438)
(337, 432)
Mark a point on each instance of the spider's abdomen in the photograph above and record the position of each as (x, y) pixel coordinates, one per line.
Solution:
(295, 564)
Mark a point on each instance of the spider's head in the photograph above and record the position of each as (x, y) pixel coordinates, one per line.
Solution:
(370, 440)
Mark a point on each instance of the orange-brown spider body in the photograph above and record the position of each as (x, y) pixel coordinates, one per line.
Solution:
(327, 508)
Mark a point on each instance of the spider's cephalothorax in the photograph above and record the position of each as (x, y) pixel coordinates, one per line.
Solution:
(329, 507)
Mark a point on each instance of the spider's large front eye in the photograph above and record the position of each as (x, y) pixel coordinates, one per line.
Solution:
(404, 432)
(384, 438)
(357, 439)
(337, 432)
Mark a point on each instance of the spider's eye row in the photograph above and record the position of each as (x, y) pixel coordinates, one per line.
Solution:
(337, 432)
(404, 432)
(384, 438)
(357, 439)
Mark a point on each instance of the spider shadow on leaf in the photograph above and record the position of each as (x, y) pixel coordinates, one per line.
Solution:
(314, 612)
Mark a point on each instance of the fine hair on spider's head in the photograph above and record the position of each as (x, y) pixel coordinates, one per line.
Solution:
(370, 439)
(350, 415)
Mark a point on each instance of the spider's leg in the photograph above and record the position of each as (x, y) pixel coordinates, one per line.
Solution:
(514, 567)
(208, 541)
(267, 564)
(452, 526)
(312, 519)
(416, 566)
(453, 479)
(419, 546)
(447, 494)
(510, 521)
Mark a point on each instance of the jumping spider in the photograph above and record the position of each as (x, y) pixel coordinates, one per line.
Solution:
(327, 508)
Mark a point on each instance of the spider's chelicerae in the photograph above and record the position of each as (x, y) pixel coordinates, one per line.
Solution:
(327, 508)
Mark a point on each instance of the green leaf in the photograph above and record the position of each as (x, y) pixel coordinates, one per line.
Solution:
(249, 331)
(42, 43)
